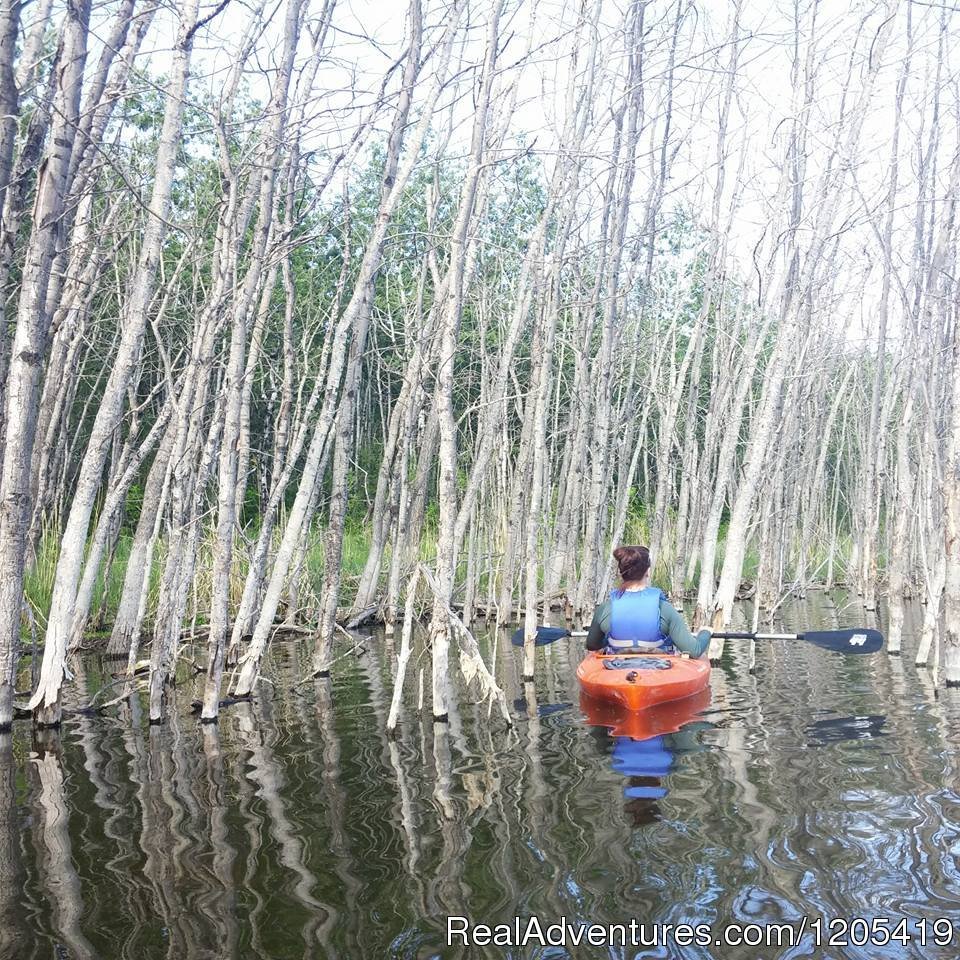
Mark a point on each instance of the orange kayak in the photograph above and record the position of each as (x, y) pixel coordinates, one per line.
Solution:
(640, 680)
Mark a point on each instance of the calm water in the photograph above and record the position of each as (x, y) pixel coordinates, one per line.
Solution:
(821, 786)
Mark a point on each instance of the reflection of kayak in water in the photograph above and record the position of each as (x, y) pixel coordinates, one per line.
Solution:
(642, 724)
(641, 680)
(643, 748)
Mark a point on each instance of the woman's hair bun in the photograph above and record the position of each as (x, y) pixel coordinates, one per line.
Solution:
(633, 562)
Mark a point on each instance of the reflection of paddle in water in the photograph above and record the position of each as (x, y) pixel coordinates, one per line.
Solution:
(642, 746)
(838, 729)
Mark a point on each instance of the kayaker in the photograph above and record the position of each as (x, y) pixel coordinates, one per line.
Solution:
(638, 616)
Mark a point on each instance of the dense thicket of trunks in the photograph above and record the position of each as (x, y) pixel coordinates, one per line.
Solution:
(480, 296)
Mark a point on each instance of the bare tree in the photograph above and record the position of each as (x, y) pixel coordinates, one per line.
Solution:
(29, 341)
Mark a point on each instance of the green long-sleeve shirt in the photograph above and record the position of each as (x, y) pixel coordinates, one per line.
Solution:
(671, 625)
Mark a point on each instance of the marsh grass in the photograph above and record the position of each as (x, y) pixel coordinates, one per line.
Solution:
(39, 576)
(38, 582)
(106, 594)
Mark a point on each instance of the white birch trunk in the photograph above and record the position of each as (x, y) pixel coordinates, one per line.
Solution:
(229, 465)
(354, 316)
(45, 701)
(29, 344)
(441, 628)
(951, 496)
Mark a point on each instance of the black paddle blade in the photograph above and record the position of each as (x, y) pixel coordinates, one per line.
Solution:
(846, 641)
(544, 635)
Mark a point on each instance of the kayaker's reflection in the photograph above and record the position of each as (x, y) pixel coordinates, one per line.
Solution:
(644, 746)
(644, 763)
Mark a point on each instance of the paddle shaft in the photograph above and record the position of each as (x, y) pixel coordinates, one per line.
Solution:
(730, 636)
(848, 640)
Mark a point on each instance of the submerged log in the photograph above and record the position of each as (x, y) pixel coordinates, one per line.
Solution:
(366, 615)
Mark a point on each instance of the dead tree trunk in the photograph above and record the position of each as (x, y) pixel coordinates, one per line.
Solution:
(29, 342)
(45, 701)
(227, 494)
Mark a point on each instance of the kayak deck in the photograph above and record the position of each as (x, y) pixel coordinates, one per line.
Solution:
(640, 680)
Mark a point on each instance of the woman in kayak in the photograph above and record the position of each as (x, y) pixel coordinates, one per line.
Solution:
(638, 617)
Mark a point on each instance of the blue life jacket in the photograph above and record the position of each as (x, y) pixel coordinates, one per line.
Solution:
(635, 621)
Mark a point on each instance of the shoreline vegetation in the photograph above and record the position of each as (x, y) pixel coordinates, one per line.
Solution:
(301, 321)
(356, 552)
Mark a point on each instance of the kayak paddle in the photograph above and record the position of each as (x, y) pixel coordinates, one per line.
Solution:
(546, 635)
(854, 640)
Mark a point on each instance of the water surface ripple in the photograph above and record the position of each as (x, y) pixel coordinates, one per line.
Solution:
(818, 786)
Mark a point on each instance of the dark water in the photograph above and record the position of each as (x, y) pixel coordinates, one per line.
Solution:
(820, 787)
